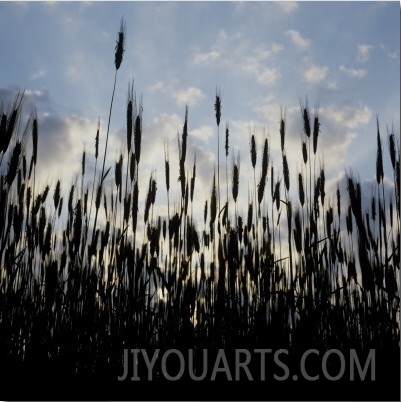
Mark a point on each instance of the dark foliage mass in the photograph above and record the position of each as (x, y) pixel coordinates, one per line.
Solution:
(79, 283)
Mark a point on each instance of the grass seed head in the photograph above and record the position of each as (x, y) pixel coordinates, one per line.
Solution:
(379, 158)
(213, 201)
(338, 202)
(301, 191)
(235, 182)
(130, 106)
(304, 152)
(253, 151)
(265, 159)
(193, 180)
(35, 140)
(83, 163)
(250, 216)
(306, 118)
(167, 171)
(276, 196)
(217, 107)
(14, 163)
(286, 172)
(138, 138)
(120, 45)
(261, 189)
(391, 145)
(97, 139)
(132, 166)
(227, 137)
(282, 133)
(316, 129)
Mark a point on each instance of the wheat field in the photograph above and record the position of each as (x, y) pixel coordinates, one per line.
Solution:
(86, 270)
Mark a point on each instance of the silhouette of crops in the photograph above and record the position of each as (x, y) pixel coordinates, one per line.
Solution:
(75, 292)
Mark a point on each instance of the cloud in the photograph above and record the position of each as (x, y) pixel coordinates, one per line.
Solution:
(218, 51)
(352, 72)
(298, 40)
(75, 69)
(184, 96)
(391, 53)
(368, 189)
(394, 55)
(288, 6)
(234, 53)
(164, 127)
(35, 95)
(60, 146)
(277, 47)
(364, 53)
(38, 74)
(31, 100)
(206, 58)
(161, 133)
(188, 96)
(160, 86)
(254, 67)
(257, 69)
(340, 125)
(203, 133)
(347, 116)
(315, 74)
(268, 76)
(61, 139)
(333, 86)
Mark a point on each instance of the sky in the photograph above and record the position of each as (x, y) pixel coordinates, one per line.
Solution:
(265, 58)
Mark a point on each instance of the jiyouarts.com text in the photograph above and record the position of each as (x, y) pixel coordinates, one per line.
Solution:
(244, 364)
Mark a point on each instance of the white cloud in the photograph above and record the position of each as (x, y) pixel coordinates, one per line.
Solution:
(288, 6)
(340, 125)
(162, 132)
(315, 74)
(60, 146)
(35, 95)
(253, 62)
(394, 55)
(277, 47)
(38, 74)
(268, 76)
(206, 58)
(264, 75)
(250, 65)
(31, 100)
(160, 86)
(352, 72)
(364, 53)
(184, 96)
(333, 86)
(203, 133)
(187, 96)
(239, 55)
(391, 53)
(164, 126)
(348, 116)
(298, 40)
(75, 70)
